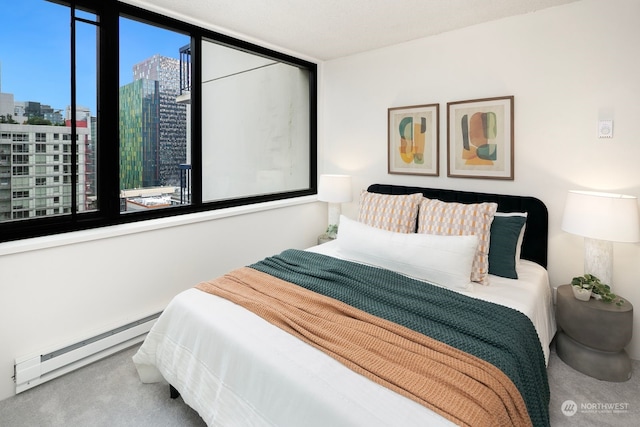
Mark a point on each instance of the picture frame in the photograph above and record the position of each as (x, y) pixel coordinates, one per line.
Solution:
(414, 140)
(480, 138)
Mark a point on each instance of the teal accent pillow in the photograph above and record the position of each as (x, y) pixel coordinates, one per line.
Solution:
(503, 245)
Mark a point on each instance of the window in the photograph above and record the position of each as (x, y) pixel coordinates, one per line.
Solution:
(20, 182)
(153, 118)
(20, 159)
(20, 148)
(20, 170)
(202, 121)
(266, 149)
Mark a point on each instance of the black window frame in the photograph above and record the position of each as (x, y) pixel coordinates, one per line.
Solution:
(108, 13)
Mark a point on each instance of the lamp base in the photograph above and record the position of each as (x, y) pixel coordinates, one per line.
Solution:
(333, 216)
(598, 259)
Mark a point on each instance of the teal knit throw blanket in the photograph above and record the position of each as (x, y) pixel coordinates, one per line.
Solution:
(499, 335)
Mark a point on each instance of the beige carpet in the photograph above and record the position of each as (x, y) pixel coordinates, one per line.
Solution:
(108, 393)
(597, 403)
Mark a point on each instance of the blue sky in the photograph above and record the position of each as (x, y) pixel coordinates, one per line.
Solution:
(35, 52)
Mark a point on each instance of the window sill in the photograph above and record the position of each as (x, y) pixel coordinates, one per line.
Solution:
(37, 243)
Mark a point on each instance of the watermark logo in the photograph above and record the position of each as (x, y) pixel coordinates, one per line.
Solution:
(569, 408)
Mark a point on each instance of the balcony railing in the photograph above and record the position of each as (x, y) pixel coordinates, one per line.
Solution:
(185, 183)
(185, 69)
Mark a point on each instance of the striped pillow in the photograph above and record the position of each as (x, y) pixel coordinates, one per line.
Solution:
(397, 213)
(459, 219)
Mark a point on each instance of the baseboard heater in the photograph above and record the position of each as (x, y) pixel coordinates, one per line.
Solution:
(34, 370)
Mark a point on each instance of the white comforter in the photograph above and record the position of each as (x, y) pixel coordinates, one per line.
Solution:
(235, 369)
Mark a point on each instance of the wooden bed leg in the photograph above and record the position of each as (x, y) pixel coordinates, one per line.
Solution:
(173, 392)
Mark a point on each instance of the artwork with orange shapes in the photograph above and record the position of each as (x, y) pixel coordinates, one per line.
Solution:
(413, 140)
(480, 138)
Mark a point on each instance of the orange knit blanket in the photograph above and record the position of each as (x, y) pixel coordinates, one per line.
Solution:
(458, 386)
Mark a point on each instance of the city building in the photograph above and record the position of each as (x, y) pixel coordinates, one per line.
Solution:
(7, 107)
(139, 149)
(171, 117)
(35, 170)
(35, 163)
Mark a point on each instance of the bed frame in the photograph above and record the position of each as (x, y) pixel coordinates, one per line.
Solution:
(534, 245)
(536, 235)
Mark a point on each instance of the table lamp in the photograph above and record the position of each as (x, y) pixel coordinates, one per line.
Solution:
(601, 218)
(335, 189)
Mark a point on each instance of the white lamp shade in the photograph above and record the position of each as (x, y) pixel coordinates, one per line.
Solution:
(603, 216)
(334, 188)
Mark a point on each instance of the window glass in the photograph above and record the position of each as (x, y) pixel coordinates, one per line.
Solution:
(86, 55)
(36, 111)
(255, 124)
(153, 120)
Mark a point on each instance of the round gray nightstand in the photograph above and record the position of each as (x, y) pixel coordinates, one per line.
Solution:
(592, 335)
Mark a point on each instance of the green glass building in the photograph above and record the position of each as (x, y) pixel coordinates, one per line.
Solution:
(139, 123)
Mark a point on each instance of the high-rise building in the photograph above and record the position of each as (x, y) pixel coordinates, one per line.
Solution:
(35, 110)
(7, 105)
(139, 147)
(85, 120)
(35, 170)
(172, 116)
(35, 161)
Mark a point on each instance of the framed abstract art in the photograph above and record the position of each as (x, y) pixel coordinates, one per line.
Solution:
(413, 140)
(480, 138)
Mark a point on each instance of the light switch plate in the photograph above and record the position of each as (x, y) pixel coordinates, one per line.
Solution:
(605, 129)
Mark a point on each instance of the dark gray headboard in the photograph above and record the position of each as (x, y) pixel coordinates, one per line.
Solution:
(534, 245)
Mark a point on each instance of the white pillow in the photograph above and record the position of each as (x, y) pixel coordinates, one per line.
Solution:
(440, 260)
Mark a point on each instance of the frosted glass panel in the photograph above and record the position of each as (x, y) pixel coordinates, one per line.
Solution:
(255, 125)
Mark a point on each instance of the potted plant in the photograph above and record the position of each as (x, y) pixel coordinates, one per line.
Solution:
(582, 287)
(332, 231)
(589, 285)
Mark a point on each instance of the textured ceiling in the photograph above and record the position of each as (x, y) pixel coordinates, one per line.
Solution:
(329, 29)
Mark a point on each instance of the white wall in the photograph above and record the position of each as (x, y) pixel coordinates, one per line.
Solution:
(57, 295)
(566, 67)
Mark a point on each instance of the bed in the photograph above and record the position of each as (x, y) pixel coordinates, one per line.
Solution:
(238, 362)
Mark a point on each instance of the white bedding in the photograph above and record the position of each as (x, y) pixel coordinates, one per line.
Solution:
(235, 369)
